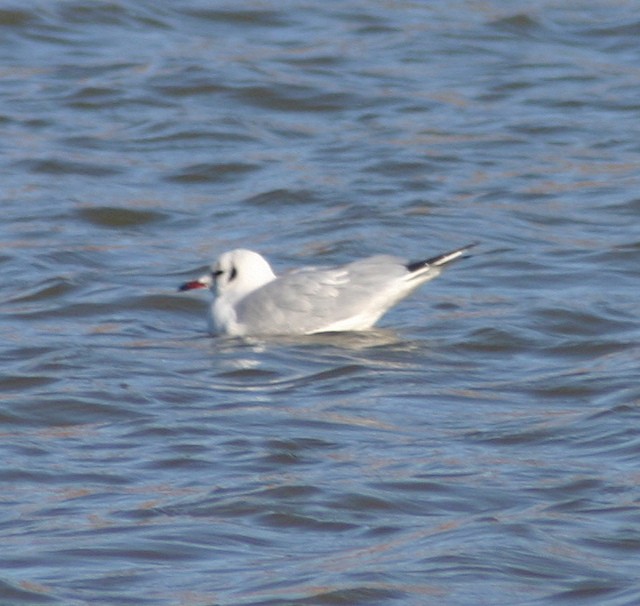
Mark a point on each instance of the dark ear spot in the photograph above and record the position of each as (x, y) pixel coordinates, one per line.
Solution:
(233, 274)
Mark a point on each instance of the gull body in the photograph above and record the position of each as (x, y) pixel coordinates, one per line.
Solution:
(250, 300)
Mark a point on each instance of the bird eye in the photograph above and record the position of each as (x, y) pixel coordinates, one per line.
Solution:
(216, 273)
(233, 274)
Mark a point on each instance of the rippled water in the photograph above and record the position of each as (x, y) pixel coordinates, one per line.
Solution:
(481, 447)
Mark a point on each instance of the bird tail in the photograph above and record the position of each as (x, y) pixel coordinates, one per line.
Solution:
(441, 260)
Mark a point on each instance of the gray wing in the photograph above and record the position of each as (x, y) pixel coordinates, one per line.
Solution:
(309, 299)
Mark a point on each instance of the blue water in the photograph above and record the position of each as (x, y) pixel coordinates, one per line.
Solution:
(480, 447)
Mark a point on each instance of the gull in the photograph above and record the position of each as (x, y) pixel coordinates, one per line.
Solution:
(250, 300)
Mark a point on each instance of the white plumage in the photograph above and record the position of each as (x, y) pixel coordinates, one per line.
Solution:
(251, 300)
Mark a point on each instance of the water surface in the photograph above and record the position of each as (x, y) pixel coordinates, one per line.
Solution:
(481, 447)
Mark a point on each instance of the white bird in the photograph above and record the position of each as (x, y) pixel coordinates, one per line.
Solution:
(251, 300)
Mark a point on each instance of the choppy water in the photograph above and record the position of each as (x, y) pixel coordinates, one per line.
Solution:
(482, 447)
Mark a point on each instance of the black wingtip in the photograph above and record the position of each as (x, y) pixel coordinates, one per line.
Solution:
(443, 259)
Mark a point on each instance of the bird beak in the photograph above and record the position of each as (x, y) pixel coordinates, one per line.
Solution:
(202, 282)
(191, 285)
